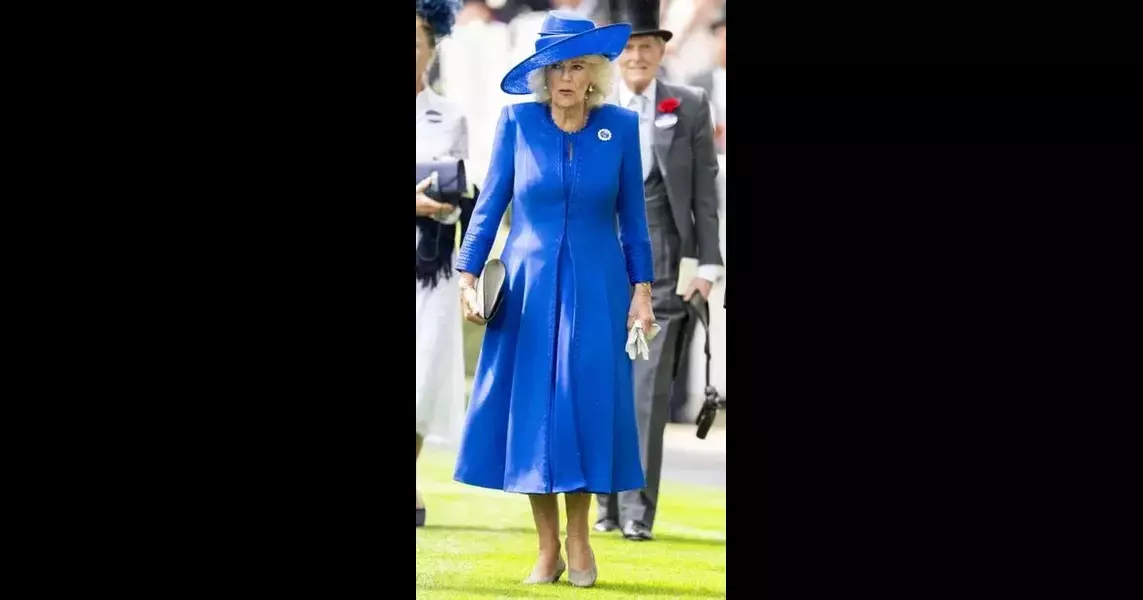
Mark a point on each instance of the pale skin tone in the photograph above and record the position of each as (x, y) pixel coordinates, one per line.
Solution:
(568, 83)
(426, 207)
(638, 66)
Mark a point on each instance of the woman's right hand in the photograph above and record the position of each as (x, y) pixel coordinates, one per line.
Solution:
(468, 299)
(427, 207)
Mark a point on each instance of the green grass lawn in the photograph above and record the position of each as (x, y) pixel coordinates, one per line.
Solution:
(482, 543)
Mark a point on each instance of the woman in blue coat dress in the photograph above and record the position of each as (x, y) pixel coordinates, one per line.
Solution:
(552, 409)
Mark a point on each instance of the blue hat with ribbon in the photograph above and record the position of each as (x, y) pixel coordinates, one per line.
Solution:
(566, 35)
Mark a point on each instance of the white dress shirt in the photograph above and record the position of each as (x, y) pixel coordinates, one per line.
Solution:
(644, 104)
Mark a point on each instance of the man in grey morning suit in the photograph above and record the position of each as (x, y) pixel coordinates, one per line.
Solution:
(679, 170)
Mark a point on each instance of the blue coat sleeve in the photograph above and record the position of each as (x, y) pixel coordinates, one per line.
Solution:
(494, 198)
(632, 206)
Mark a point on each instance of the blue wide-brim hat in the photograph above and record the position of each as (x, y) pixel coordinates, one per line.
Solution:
(566, 35)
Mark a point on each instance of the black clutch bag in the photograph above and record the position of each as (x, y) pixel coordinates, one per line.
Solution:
(490, 288)
(450, 182)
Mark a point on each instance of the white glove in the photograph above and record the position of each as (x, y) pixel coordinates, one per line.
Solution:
(638, 343)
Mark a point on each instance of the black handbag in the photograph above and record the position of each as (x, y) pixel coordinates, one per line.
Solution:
(449, 186)
(450, 182)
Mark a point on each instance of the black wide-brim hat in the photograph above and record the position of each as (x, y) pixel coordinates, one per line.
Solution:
(566, 35)
(643, 15)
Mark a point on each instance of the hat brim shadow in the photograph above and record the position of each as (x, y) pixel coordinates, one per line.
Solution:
(608, 40)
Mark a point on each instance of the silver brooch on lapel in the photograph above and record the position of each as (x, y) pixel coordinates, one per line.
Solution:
(604, 134)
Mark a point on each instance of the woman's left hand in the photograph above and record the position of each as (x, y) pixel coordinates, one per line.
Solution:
(641, 308)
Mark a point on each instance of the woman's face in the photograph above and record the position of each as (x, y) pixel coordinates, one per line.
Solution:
(424, 50)
(568, 82)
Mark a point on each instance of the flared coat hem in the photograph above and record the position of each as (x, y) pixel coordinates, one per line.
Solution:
(534, 491)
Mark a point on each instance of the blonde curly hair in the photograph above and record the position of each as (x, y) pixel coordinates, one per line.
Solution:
(600, 72)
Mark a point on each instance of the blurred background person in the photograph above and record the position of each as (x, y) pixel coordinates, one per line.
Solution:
(713, 80)
(596, 10)
(441, 133)
(692, 48)
(473, 59)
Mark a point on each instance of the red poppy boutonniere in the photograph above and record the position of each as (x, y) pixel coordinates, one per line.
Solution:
(667, 117)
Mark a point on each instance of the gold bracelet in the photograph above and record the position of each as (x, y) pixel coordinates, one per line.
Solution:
(644, 286)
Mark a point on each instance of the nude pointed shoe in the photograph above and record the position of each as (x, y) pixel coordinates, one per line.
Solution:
(554, 577)
(584, 578)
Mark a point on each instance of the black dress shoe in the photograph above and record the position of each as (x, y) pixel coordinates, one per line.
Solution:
(605, 525)
(636, 531)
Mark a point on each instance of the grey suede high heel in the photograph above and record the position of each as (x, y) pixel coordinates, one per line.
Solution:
(554, 577)
(584, 578)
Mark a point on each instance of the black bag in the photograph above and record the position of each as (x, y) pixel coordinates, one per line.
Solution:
(450, 183)
(450, 186)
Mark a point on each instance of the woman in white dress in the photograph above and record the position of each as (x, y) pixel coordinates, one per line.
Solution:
(441, 133)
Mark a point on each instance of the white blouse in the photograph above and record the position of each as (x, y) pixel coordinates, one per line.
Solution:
(442, 131)
(441, 128)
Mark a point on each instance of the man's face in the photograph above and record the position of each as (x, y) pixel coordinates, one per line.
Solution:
(640, 60)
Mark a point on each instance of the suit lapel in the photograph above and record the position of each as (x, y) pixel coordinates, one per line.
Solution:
(662, 136)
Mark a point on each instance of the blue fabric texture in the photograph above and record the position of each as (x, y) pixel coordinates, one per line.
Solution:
(553, 408)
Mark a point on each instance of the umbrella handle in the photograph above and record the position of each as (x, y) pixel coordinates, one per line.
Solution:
(699, 307)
